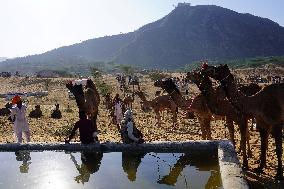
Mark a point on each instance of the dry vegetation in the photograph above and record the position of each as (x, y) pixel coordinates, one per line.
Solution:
(46, 129)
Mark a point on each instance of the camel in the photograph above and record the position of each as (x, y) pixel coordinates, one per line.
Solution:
(197, 105)
(128, 100)
(56, 114)
(108, 101)
(36, 113)
(158, 104)
(267, 106)
(87, 100)
(217, 102)
(6, 111)
(134, 81)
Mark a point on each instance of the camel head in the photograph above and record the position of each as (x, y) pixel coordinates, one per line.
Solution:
(219, 73)
(167, 84)
(145, 106)
(90, 84)
(202, 81)
(57, 106)
(77, 91)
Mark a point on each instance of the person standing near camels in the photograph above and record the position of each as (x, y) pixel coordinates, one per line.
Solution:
(18, 117)
(118, 110)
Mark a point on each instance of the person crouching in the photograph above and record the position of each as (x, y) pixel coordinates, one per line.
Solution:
(86, 129)
(129, 133)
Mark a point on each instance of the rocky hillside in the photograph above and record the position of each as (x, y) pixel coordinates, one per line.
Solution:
(2, 59)
(187, 34)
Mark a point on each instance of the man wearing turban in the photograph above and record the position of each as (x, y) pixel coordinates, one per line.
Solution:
(18, 116)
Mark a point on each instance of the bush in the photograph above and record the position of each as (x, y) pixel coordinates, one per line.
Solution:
(154, 76)
(103, 87)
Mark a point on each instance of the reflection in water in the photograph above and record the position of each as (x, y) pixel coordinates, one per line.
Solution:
(55, 170)
(187, 159)
(91, 162)
(24, 156)
(131, 162)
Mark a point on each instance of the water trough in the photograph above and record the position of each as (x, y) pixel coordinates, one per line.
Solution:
(231, 172)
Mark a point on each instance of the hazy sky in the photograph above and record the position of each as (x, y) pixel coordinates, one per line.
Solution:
(35, 26)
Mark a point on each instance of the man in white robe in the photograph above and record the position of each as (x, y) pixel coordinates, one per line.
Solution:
(18, 116)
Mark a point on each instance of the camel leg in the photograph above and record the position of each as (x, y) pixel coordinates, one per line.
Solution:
(252, 122)
(158, 116)
(230, 125)
(202, 126)
(174, 118)
(264, 143)
(248, 144)
(207, 127)
(277, 132)
(243, 129)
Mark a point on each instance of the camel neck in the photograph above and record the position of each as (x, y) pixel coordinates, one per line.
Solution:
(211, 99)
(241, 102)
(179, 100)
(142, 97)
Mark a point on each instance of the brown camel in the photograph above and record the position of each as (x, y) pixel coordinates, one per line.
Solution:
(128, 100)
(158, 104)
(134, 82)
(218, 103)
(108, 101)
(36, 113)
(267, 106)
(87, 100)
(56, 113)
(196, 105)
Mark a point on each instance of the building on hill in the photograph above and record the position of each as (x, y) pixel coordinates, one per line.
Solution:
(183, 4)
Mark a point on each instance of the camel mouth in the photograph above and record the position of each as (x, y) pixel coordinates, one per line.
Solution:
(158, 83)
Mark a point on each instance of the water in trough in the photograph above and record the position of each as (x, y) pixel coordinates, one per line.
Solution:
(49, 169)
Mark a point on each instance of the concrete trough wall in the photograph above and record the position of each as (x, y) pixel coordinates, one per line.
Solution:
(231, 172)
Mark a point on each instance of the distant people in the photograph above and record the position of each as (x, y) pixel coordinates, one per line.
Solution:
(56, 114)
(129, 133)
(87, 130)
(18, 117)
(118, 110)
(129, 79)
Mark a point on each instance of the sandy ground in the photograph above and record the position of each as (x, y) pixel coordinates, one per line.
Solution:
(46, 129)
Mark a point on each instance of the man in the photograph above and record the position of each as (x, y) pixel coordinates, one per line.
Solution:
(118, 110)
(129, 133)
(18, 117)
(86, 129)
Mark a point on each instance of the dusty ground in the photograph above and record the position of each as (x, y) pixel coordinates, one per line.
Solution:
(46, 129)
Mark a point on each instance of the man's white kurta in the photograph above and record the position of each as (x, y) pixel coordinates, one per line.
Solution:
(20, 123)
(118, 112)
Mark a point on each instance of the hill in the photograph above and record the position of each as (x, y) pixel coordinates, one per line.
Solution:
(187, 34)
(2, 59)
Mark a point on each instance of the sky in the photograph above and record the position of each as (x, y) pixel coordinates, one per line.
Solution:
(30, 27)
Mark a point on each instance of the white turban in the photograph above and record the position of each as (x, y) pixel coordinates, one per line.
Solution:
(128, 114)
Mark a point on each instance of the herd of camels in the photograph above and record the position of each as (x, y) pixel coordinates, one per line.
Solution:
(233, 102)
